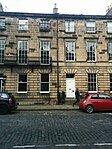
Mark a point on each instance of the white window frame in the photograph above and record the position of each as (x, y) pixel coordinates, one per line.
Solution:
(109, 47)
(21, 83)
(45, 52)
(109, 27)
(44, 24)
(44, 83)
(69, 26)
(23, 48)
(91, 51)
(110, 83)
(2, 23)
(2, 50)
(91, 82)
(69, 50)
(23, 25)
(91, 27)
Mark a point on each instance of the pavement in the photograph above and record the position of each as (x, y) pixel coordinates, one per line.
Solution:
(39, 107)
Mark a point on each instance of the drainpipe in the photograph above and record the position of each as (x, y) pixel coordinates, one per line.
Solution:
(56, 16)
(57, 59)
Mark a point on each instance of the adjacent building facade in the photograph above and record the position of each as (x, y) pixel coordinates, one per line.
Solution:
(42, 55)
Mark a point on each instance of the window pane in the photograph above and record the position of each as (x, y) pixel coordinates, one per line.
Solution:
(22, 51)
(70, 50)
(44, 77)
(23, 78)
(44, 25)
(91, 51)
(69, 75)
(45, 52)
(23, 24)
(45, 82)
(69, 26)
(94, 96)
(2, 23)
(4, 95)
(45, 87)
(90, 26)
(22, 82)
(92, 82)
(2, 49)
(109, 26)
(110, 82)
(110, 49)
(22, 87)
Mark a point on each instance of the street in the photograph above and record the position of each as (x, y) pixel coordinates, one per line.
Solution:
(56, 130)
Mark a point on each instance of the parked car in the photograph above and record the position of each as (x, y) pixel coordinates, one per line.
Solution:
(7, 103)
(96, 102)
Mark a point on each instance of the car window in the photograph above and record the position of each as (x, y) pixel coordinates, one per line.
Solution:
(84, 95)
(95, 96)
(4, 95)
(103, 96)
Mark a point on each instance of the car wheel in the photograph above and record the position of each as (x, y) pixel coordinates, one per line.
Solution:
(3, 109)
(89, 109)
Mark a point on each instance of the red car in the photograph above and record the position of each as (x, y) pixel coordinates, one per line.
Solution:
(96, 102)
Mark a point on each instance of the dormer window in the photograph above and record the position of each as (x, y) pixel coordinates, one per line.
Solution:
(90, 27)
(2, 23)
(44, 25)
(69, 26)
(23, 25)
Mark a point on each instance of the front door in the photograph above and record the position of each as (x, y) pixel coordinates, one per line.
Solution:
(70, 88)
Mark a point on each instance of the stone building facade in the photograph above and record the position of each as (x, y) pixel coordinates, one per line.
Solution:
(42, 55)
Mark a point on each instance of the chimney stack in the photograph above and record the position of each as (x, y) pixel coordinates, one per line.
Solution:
(55, 9)
(1, 7)
(109, 10)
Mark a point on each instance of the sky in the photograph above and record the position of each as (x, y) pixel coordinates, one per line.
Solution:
(86, 7)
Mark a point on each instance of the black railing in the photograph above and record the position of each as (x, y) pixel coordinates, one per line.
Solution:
(24, 60)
